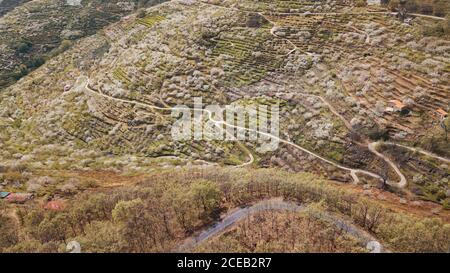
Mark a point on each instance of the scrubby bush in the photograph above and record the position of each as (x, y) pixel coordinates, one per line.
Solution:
(22, 46)
(378, 134)
(155, 215)
(8, 231)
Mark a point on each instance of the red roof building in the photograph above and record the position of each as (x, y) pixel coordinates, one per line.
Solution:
(19, 197)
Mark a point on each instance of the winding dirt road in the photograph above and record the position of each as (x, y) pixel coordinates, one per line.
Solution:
(221, 123)
(372, 146)
(235, 216)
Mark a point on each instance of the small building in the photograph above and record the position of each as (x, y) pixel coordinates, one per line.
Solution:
(19, 198)
(4, 194)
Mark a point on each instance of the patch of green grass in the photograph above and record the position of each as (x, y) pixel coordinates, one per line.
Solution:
(336, 156)
(150, 20)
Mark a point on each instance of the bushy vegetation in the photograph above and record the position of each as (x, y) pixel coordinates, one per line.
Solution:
(440, 8)
(157, 215)
(8, 232)
(355, 64)
(8, 5)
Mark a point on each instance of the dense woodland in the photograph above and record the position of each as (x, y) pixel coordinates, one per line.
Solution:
(432, 7)
(157, 215)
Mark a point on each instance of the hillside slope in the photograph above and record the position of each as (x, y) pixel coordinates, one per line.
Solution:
(8, 5)
(38, 30)
(363, 97)
(164, 211)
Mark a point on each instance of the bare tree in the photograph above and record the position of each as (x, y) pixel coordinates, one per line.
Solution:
(445, 124)
(384, 175)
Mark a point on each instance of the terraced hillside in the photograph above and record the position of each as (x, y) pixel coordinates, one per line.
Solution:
(364, 98)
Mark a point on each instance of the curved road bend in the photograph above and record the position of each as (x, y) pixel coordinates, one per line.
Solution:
(272, 205)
